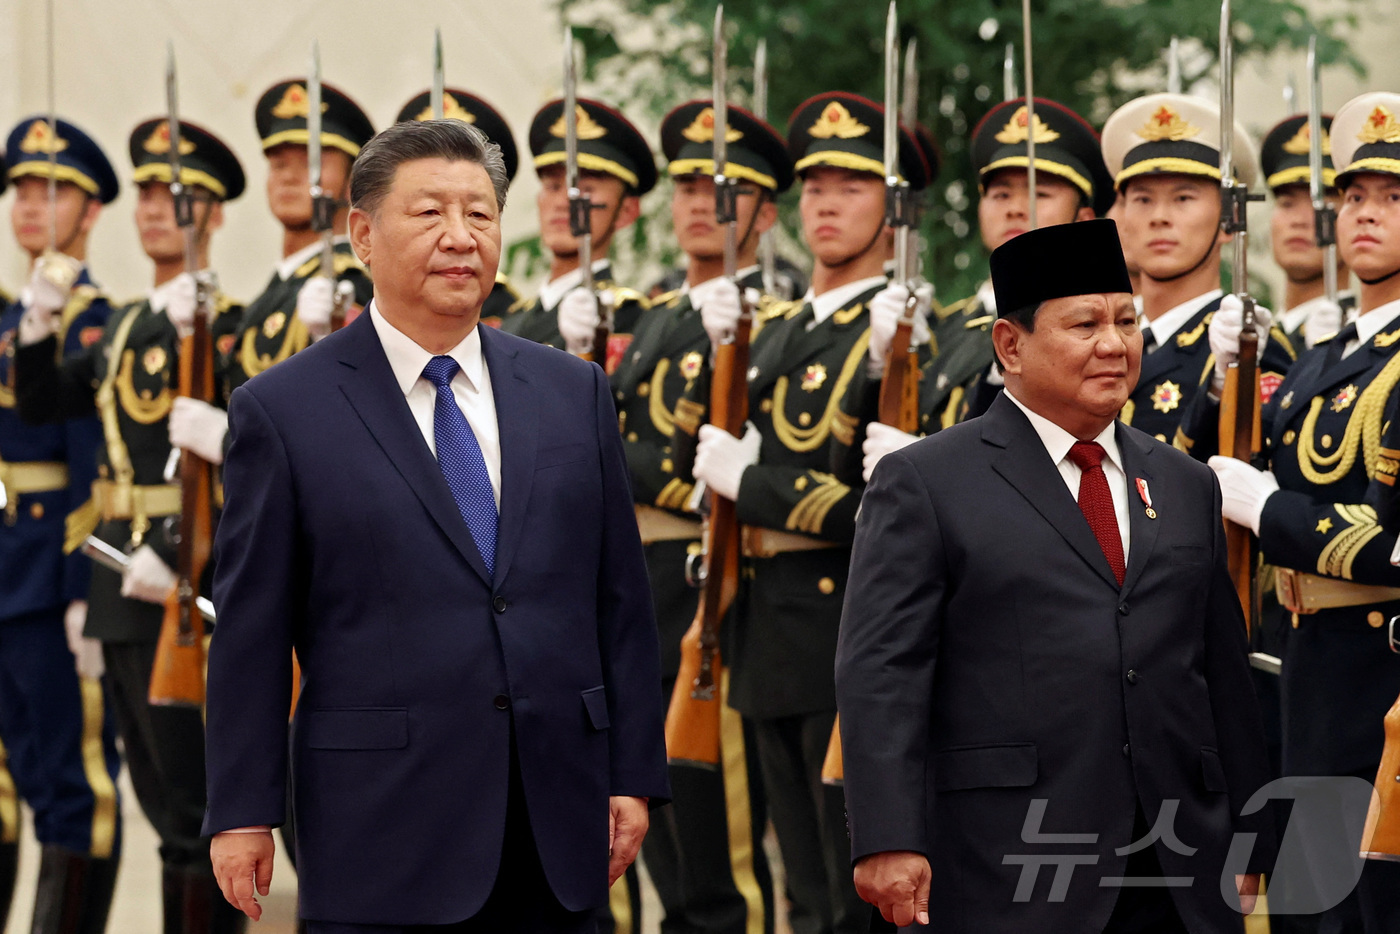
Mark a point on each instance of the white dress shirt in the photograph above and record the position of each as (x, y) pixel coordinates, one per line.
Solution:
(1165, 325)
(833, 300)
(1057, 443)
(471, 389)
(1370, 324)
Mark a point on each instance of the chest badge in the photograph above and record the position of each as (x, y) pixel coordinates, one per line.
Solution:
(274, 324)
(690, 365)
(1166, 397)
(815, 376)
(1345, 398)
(154, 360)
(1146, 497)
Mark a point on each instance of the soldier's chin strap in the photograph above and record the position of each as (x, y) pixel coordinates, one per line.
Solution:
(1389, 275)
(879, 232)
(1186, 272)
(63, 245)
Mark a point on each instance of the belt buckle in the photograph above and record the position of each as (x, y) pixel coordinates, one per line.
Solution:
(1288, 589)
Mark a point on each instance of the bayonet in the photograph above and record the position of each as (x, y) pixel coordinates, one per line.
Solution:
(53, 133)
(1008, 73)
(1030, 113)
(1324, 215)
(1290, 94)
(182, 196)
(767, 254)
(323, 202)
(580, 206)
(909, 114)
(896, 188)
(726, 188)
(435, 95)
(1174, 66)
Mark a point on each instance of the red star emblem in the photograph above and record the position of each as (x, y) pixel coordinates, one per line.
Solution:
(1378, 117)
(1164, 116)
(708, 121)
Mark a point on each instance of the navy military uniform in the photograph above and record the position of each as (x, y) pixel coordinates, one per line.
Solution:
(610, 144)
(271, 331)
(56, 727)
(1323, 431)
(467, 107)
(704, 851)
(130, 378)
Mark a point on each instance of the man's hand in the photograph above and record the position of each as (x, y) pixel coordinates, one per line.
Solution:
(897, 883)
(147, 577)
(881, 440)
(1224, 335)
(1243, 490)
(315, 302)
(241, 862)
(578, 320)
(87, 653)
(627, 825)
(199, 427)
(1248, 887)
(886, 308)
(721, 458)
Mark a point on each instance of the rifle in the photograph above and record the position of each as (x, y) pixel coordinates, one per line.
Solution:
(1174, 66)
(581, 206)
(1381, 837)
(323, 203)
(1324, 215)
(1240, 401)
(693, 718)
(435, 99)
(59, 273)
(177, 676)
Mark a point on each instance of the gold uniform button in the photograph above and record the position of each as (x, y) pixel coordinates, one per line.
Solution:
(1295, 620)
(799, 484)
(36, 511)
(804, 419)
(1290, 436)
(766, 405)
(828, 586)
(631, 436)
(643, 389)
(1376, 619)
(666, 464)
(1327, 441)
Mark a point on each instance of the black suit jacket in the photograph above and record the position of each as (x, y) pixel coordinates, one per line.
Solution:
(988, 660)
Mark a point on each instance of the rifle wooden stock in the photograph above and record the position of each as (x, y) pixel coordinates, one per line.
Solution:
(1381, 838)
(693, 719)
(834, 766)
(1240, 438)
(177, 677)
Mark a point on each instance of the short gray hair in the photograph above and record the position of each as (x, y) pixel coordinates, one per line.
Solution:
(373, 172)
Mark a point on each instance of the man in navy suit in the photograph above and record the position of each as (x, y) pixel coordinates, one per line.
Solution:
(437, 517)
(1046, 711)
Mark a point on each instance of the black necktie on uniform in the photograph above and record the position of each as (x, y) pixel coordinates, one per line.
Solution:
(1149, 340)
(1337, 345)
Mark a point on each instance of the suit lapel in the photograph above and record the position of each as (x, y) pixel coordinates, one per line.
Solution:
(374, 393)
(517, 416)
(1142, 531)
(1025, 464)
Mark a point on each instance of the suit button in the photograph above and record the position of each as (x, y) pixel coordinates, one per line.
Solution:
(1122, 609)
(500, 604)
(501, 702)
(1132, 676)
(1126, 754)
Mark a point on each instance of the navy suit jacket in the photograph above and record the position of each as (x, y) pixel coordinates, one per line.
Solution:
(340, 538)
(988, 660)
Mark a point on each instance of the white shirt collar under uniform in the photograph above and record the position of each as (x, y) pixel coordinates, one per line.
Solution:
(288, 267)
(1166, 325)
(553, 291)
(833, 300)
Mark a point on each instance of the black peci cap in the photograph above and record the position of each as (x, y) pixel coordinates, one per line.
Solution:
(1058, 261)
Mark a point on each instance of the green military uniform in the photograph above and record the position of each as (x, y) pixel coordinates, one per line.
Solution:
(131, 377)
(271, 331)
(467, 107)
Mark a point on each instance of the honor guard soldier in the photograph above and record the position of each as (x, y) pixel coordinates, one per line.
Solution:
(959, 380)
(131, 377)
(467, 107)
(705, 856)
(797, 517)
(1164, 153)
(1310, 508)
(55, 721)
(616, 167)
(1306, 315)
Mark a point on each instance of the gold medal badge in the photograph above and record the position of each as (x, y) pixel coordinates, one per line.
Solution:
(690, 365)
(1166, 397)
(1345, 398)
(274, 324)
(154, 360)
(815, 376)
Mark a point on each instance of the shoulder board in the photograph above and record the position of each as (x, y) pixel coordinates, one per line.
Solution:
(223, 304)
(504, 282)
(343, 263)
(981, 323)
(79, 300)
(667, 298)
(846, 315)
(947, 311)
(1325, 338)
(622, 294)
(1193, 335)
(521, 304)
(778, 308)
(1387, 338)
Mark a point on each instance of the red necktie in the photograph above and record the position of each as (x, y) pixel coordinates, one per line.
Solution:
(1096, 503)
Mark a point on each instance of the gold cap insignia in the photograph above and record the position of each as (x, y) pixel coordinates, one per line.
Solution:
(451, 110)
(295, 103)
(42, 138)
(702, 129)
(836, 122)
(1017, 129)
(1301, 143)
(1166, 124)
(1380, 127)
(588, 128)
(158, 143)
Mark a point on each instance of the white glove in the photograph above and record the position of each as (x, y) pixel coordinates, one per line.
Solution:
(720, 310)
(886, 308)
(199, 427)
(1325, 318)
(315, 302)
(879, 441)
(578, 320)
(1224, 335)
(147, 577)
(721, 458)
(1243, 490)
(180, 294)
(87, 653)
(50, 284)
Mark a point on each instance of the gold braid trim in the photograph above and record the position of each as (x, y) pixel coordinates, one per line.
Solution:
(843, 428)
(803, 440)
(9, 803)
(117, 455)
(811, 511)
(949, 416)
(1337, 558)
(664, 421)
(674, 494)
(141, 411)
(295, 338)
(688, 415)
(79, 524)
(1363, 432)
(1387, 466)
(104, 792)
(1126, 414)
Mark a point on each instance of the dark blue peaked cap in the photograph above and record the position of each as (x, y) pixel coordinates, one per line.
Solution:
(77, 157)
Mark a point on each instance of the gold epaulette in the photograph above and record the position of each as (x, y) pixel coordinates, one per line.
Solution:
(1277, 335)
(980, 323)
(622, 295)
(947, 311)
(1193, 335)
(344, 262)
(223, 304)
(667, 298)
(504, 281)
(79, 300)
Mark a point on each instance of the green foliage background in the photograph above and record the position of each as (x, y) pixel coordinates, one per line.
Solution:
(1092, 55)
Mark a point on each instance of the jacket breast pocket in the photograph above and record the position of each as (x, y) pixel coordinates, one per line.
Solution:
(1004, 765)
(595, 702)
(1190, 554)
(357, 728)
(559, 454)
(1212, 772)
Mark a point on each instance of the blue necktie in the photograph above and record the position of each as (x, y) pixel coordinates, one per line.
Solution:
(460, 458)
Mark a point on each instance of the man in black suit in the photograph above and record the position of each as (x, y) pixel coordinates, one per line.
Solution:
(1028, 683)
